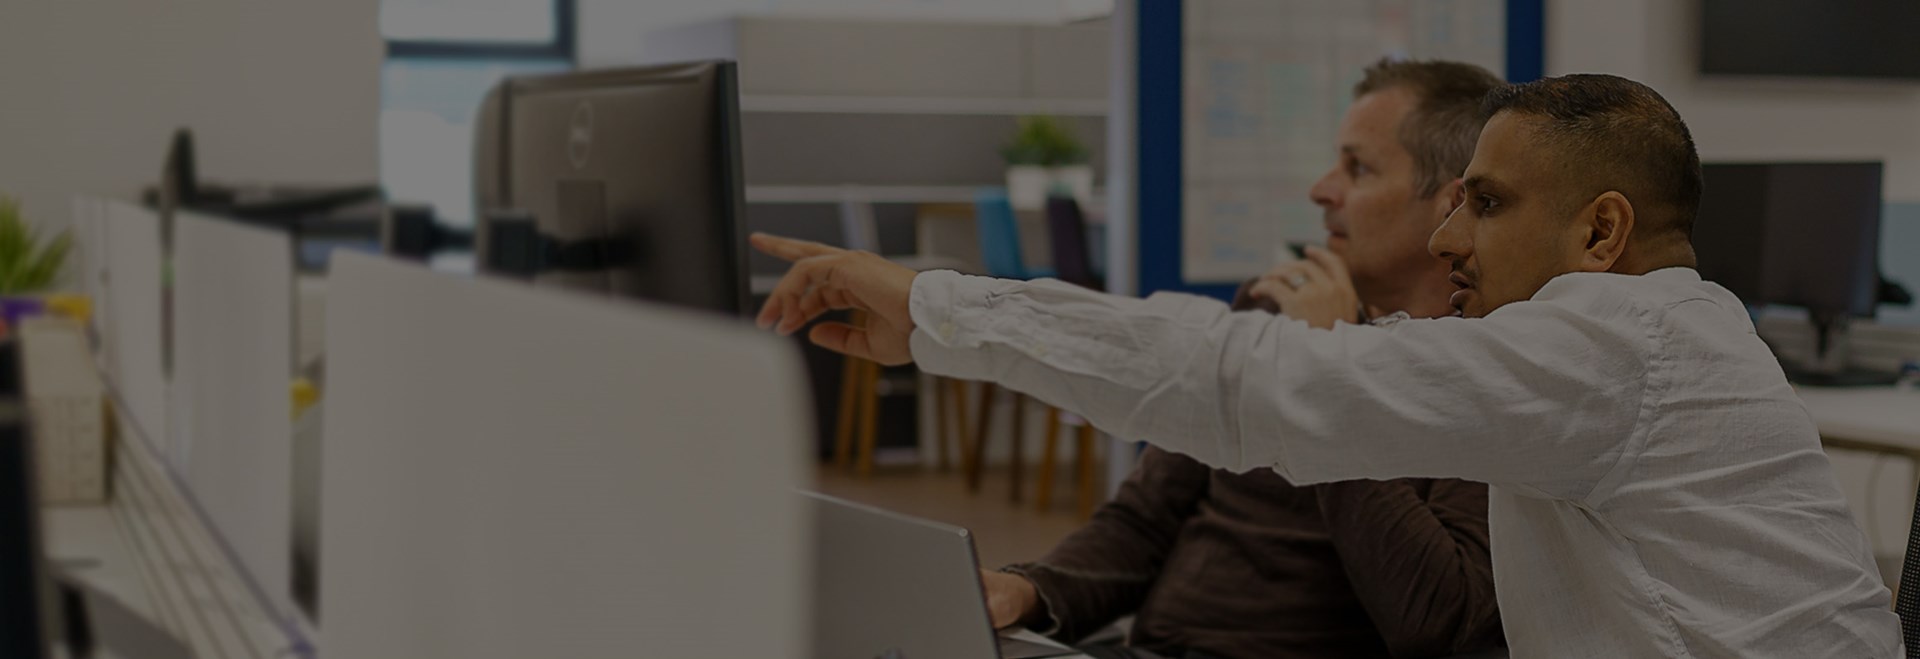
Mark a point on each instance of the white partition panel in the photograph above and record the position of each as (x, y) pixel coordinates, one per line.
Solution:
(229, 408)
(127, 280)
(520, 472)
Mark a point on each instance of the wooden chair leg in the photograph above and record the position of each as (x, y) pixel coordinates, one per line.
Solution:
(850, 372)
(1019, 442)
(1043, 494)
(963, 433)
(1084, 460)
(852, 377)
(941, 431)
(869, 417)
(980, 434)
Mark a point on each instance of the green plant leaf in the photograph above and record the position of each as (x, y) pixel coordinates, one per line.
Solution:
(14, 246)
(44, 270)
(1044, 140)
(26, 266)
(1023, 154)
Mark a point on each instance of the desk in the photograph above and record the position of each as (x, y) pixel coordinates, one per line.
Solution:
(152, 553)
(1880, 420)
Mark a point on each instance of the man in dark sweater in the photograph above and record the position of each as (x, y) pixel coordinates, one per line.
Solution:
(1219, 564)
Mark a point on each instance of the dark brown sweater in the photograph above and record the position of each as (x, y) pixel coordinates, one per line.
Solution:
(1249, 565)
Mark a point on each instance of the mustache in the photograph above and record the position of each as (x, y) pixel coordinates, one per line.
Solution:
(1460, 268)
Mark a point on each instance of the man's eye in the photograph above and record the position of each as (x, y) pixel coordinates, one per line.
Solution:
(1487, 203)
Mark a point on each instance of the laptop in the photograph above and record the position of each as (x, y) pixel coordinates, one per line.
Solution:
(892, 586)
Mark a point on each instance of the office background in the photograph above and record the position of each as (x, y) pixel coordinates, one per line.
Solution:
(297, 91)
(318, 93)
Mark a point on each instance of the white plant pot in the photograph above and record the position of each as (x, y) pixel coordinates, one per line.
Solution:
(1027, 186)
(1074, 180)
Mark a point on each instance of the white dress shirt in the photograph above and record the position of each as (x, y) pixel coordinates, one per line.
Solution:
(1657, 487)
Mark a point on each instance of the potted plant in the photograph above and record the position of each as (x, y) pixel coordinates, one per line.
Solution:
(1026, 157)
(29, 267)
(1044, 156)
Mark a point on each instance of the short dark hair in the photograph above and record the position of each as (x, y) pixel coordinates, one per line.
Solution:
(1633, 139)
(1442, 129)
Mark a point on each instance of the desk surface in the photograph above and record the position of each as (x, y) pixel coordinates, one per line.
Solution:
(86, 539)
(1879, 415)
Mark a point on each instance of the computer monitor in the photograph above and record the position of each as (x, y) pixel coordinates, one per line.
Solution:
(1729, 234)
(626, 181)
(1798, 234)
(26, 604)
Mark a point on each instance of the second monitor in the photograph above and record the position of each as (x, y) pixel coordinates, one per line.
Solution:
(626, 181)
(1797, 234)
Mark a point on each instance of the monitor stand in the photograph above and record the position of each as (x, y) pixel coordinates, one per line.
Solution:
(1832, 349)
(1849, 377)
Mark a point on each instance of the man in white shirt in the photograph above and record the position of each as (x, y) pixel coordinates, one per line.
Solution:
(1657, 489)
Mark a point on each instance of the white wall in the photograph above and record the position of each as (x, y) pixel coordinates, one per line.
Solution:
(612, 32)
(90, 93)
(1656, 42)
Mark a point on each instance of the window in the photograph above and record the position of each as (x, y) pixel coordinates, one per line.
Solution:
(442, 57)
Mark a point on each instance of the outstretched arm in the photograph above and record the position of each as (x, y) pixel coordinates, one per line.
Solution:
(1543, 396)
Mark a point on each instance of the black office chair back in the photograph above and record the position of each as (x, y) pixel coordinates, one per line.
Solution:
(1072, 256)
(1907, 601)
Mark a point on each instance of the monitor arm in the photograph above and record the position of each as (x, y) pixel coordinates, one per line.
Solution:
(412, 232)
(1891, 292)
(514, 246)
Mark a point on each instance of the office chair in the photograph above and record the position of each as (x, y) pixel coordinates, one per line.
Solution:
(1072, 255)
(1000, 238)
(1073, 260)
(940, 231)
(856, 433)
(1000, 253)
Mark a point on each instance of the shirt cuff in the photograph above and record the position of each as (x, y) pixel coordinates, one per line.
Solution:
(1047, 608)
(938, 344)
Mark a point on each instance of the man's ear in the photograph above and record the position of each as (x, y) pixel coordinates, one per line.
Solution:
(1445, 200)
(1607, 225)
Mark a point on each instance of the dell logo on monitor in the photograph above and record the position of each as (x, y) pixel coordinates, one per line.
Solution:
(580, 135)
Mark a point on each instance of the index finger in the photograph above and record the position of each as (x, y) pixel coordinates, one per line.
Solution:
(789, 249)
(783, 311)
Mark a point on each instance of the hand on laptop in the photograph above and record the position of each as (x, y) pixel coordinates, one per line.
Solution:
(827, 278)
(1010, 598)
(1317, 290)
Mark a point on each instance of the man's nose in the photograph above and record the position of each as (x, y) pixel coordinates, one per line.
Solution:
(1327, 191)
(1450, 242)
